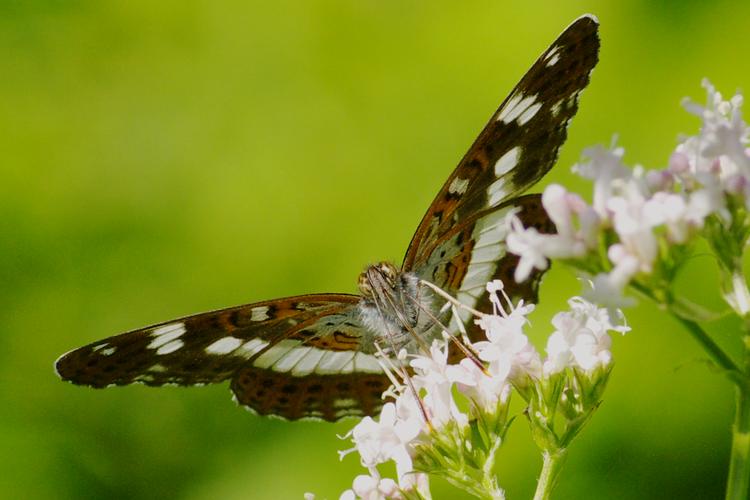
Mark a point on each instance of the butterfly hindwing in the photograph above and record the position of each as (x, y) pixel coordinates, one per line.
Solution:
(329, 397)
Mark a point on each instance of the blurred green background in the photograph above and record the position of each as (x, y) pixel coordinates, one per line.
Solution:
(164, 158)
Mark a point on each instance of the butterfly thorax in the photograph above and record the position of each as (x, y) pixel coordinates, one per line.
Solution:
(396, 310)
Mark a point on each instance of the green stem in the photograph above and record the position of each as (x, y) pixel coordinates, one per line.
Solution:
(738, 481)
(551, 468)
(489, 481)
(713, 350)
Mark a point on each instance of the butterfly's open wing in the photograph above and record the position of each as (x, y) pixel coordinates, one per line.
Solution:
(294, 357)
(460, 243)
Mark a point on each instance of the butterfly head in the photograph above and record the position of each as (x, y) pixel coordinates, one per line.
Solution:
(380, 276)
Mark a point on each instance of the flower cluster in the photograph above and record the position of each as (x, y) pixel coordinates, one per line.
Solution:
(640, 222)
(450, 419)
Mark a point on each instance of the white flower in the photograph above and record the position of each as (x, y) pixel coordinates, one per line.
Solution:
(576, 223)
(486, 388)
(580, 338)
(719, 151)
(431, 374)
(507, 349)
(372, 487)
(389, 438)
(528, 243)
(634, 224)
(681, 214)
(604, 167)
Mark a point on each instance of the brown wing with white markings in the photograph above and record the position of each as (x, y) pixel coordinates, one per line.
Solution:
(284, 346)
(460, 243)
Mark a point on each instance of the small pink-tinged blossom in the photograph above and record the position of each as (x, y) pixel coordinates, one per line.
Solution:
(719, 149)
(680, 213)
(659, 180)
(576, 223)
(634, 226)
(527, 243)
(580, 338)
(737, 184)
(679, 163)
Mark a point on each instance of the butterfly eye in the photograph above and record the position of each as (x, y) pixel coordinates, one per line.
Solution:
(389, 272)
(364, 286)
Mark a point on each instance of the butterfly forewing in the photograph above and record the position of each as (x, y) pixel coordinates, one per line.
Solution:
(312, 355)
(311, 336)
(521, 141)
(460, 243)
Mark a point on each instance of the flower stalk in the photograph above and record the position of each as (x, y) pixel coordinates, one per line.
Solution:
(551, 467)
(738, 482)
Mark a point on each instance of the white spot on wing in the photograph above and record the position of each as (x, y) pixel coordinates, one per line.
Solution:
(259, 313)
(347, 412)
(529, 113)
(555, 110)
(345, 403)
(224, 345)
(489, 235)
(349, 367)
(334, 362)
(515, 107)
(108, 351)
(178, 326)
(505, 163)
(290, 359)
(251, 347)
(553, 56)
(169, 347)
(309, 362)
(157, 368)
(366, 363)
(498, 190)
(458, 186)
(274, 353)
(165, 334)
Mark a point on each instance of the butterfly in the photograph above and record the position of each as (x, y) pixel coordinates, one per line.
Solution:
(315, 355)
